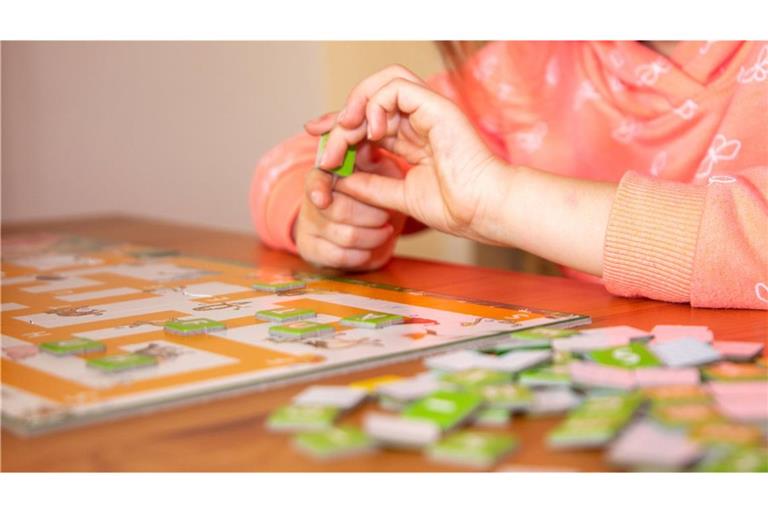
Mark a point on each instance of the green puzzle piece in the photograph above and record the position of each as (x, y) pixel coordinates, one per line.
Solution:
(334, 442)
(444, 408)
(634, 355)
(72, 346)
(372, 320)
(508, 396)
(583, 432)
(475, 378)
(285, 314)
(122, 362)
(546, 376)
(479, 449)
(543, 333)
(300, 330)
(347, 167)
(302, 418)
(737, 460)
(193, 326)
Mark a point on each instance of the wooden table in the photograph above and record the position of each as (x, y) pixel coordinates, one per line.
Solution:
(227, 434)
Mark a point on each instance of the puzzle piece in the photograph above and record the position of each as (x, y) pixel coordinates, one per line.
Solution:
(298, 418)
(334, 442)
(475, 378)
(341, 397)
(685, 352)
(446, 409)
(507, 396)
(634, 355)
(492, 417)
(347, 167)
(401, 432)
(278, 286)
(477, 449)
(193, 326)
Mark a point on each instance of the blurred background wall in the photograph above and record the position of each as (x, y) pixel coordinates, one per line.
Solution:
(172, 130)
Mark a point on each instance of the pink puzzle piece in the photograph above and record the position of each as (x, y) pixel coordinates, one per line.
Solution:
(645, 444)
(651, 377)
(598, 376)
(19, 352)
(738, 350)
(741, 401)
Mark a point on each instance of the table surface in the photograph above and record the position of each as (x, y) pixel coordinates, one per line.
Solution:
(227, 434)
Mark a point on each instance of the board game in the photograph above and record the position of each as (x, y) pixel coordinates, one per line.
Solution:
(93, 330)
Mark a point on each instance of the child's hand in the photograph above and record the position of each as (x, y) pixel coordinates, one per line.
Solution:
(455, 179)
(335, 230)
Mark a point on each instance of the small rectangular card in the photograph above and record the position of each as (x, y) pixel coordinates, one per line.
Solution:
(476, 449)
(685, 352)
(402, 432)
(341, 397)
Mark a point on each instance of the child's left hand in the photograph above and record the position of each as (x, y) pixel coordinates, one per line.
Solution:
(455, 181)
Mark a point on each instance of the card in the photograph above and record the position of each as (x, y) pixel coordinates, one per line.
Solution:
(685, 352)
(193, 326)
(678, 394)
(583, 433)
(348, 165)
(517, 361)
(122, 362)
(654, 377)
(511, 397)
(334, 442)
(548, 376)
(282, 315)
(297, 418)
(591, 375)
(553, 401)
(684, 415)
(663, 333)
(402, 432)
(475, 379)
(543, 333)
(72, 346)
(735, 372)
(492, 417)
(341, 397)
(446, 409)
(624, 333)
(453, 361)
(278, 285)
(476, 449)
(634, 355)
(720, 433)
(738, 350)
(374, 383)
(585, 343)
(300, 330)
(648, 446)
(407, 390)
(372, 320)
(737, 460)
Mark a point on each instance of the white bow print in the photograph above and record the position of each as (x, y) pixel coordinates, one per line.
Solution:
(756, 73)
(687, 110)
(585, 93)
(531, 140)
(760, 289)
(553, 73)
(647, 74)
(626, 131)
(721, 149)
(659, 163)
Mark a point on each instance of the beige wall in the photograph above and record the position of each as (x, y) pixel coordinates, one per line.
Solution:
(171, 130)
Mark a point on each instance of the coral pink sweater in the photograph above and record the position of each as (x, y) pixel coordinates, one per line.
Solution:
(685, 137)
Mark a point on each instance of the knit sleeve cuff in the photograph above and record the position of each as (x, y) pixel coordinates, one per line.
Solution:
(651, 238)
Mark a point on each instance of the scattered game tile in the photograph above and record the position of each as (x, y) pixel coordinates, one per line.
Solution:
(548, 376)
(634, 355)
(347, 166)
(341, 397)
(517, 361)
(685, 352)
(298, 418)
(492, 417)
(475, 378)
(652, 377)
(583, 433)
(282, 315)
(476, 449)
(553, 401)
(718, 433)
(334, 442)
(372, 320)
(664, 333)
(402, 432)
(678, 394)
(511, 397)
(737, 460)
(624, 333)
(446, 409)
(586, 343)
(278, 286)
(122, 362)
(453, 361)
(684, 415)
(738, 350)
(543, 333)
(648, 446)
(193, 326)
(20, 352)
(300, 330)
(407, 390)
(374, 383)
(591, 375)
(735, 372)
(72, 346)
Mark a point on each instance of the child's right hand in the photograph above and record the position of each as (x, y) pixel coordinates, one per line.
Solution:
(335, 230)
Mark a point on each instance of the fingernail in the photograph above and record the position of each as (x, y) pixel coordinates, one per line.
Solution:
(317, 197)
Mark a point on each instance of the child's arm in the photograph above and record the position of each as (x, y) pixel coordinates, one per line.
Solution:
(647, 237)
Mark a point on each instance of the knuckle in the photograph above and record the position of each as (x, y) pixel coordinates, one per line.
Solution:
(348, 235)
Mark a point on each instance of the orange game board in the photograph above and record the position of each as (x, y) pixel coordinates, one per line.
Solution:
(57, 288)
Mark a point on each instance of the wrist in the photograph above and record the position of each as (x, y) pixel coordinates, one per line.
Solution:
(503, 181)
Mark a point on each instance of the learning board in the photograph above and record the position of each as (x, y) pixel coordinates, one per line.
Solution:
(92, 329)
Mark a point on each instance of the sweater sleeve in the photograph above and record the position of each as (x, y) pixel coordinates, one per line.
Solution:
(702, 244)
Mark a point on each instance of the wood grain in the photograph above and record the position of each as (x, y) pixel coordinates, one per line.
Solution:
(227, 434)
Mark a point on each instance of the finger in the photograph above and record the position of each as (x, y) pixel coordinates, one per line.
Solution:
(320, 125)
(355, 237)
(346, 210)
(318, 186)
(338, 141)
(380, 191)
(420, 104)
(325, 253)
(354, 109)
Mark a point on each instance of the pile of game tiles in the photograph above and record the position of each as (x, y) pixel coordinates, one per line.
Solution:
(666, 400)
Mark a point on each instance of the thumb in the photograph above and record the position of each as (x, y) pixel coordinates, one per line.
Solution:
(373, 189)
